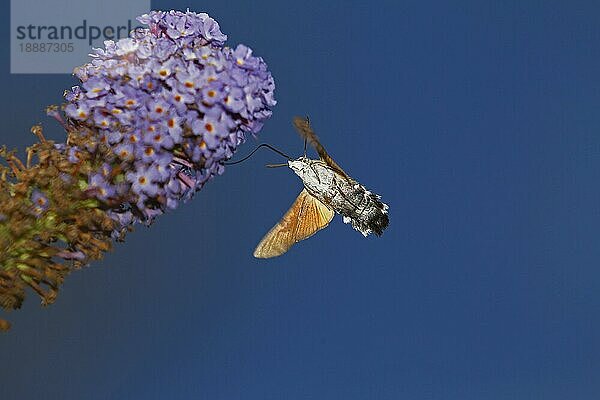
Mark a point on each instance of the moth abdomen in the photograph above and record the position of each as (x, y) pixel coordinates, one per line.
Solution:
(363, 210)
(379, 219)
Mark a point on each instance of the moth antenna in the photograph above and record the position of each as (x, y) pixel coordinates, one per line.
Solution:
(275, 165)
(304, 147)
(308, 122)
(281, 153)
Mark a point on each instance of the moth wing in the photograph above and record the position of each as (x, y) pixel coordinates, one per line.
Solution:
(306, 216)
(303, 127)
(315, 216)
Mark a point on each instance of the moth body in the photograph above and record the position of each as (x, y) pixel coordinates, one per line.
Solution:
(344, 195)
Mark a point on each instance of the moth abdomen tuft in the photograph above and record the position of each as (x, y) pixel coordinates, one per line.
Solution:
(380, 221)
(364, 211)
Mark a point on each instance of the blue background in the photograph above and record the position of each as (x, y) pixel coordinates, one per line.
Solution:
(478, 122)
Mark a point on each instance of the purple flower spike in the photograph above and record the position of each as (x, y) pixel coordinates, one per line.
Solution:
(172, 103)
(154, 118)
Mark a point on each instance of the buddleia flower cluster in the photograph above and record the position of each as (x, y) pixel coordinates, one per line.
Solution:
(154, 118)
(172, 102)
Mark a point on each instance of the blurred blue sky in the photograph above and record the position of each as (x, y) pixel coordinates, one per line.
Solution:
(477, 121)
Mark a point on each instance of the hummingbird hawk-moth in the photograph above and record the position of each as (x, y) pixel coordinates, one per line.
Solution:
(327, 190)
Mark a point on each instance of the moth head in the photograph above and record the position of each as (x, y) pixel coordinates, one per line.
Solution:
(299, 166)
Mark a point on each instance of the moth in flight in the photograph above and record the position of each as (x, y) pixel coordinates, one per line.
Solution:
(327, 190)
